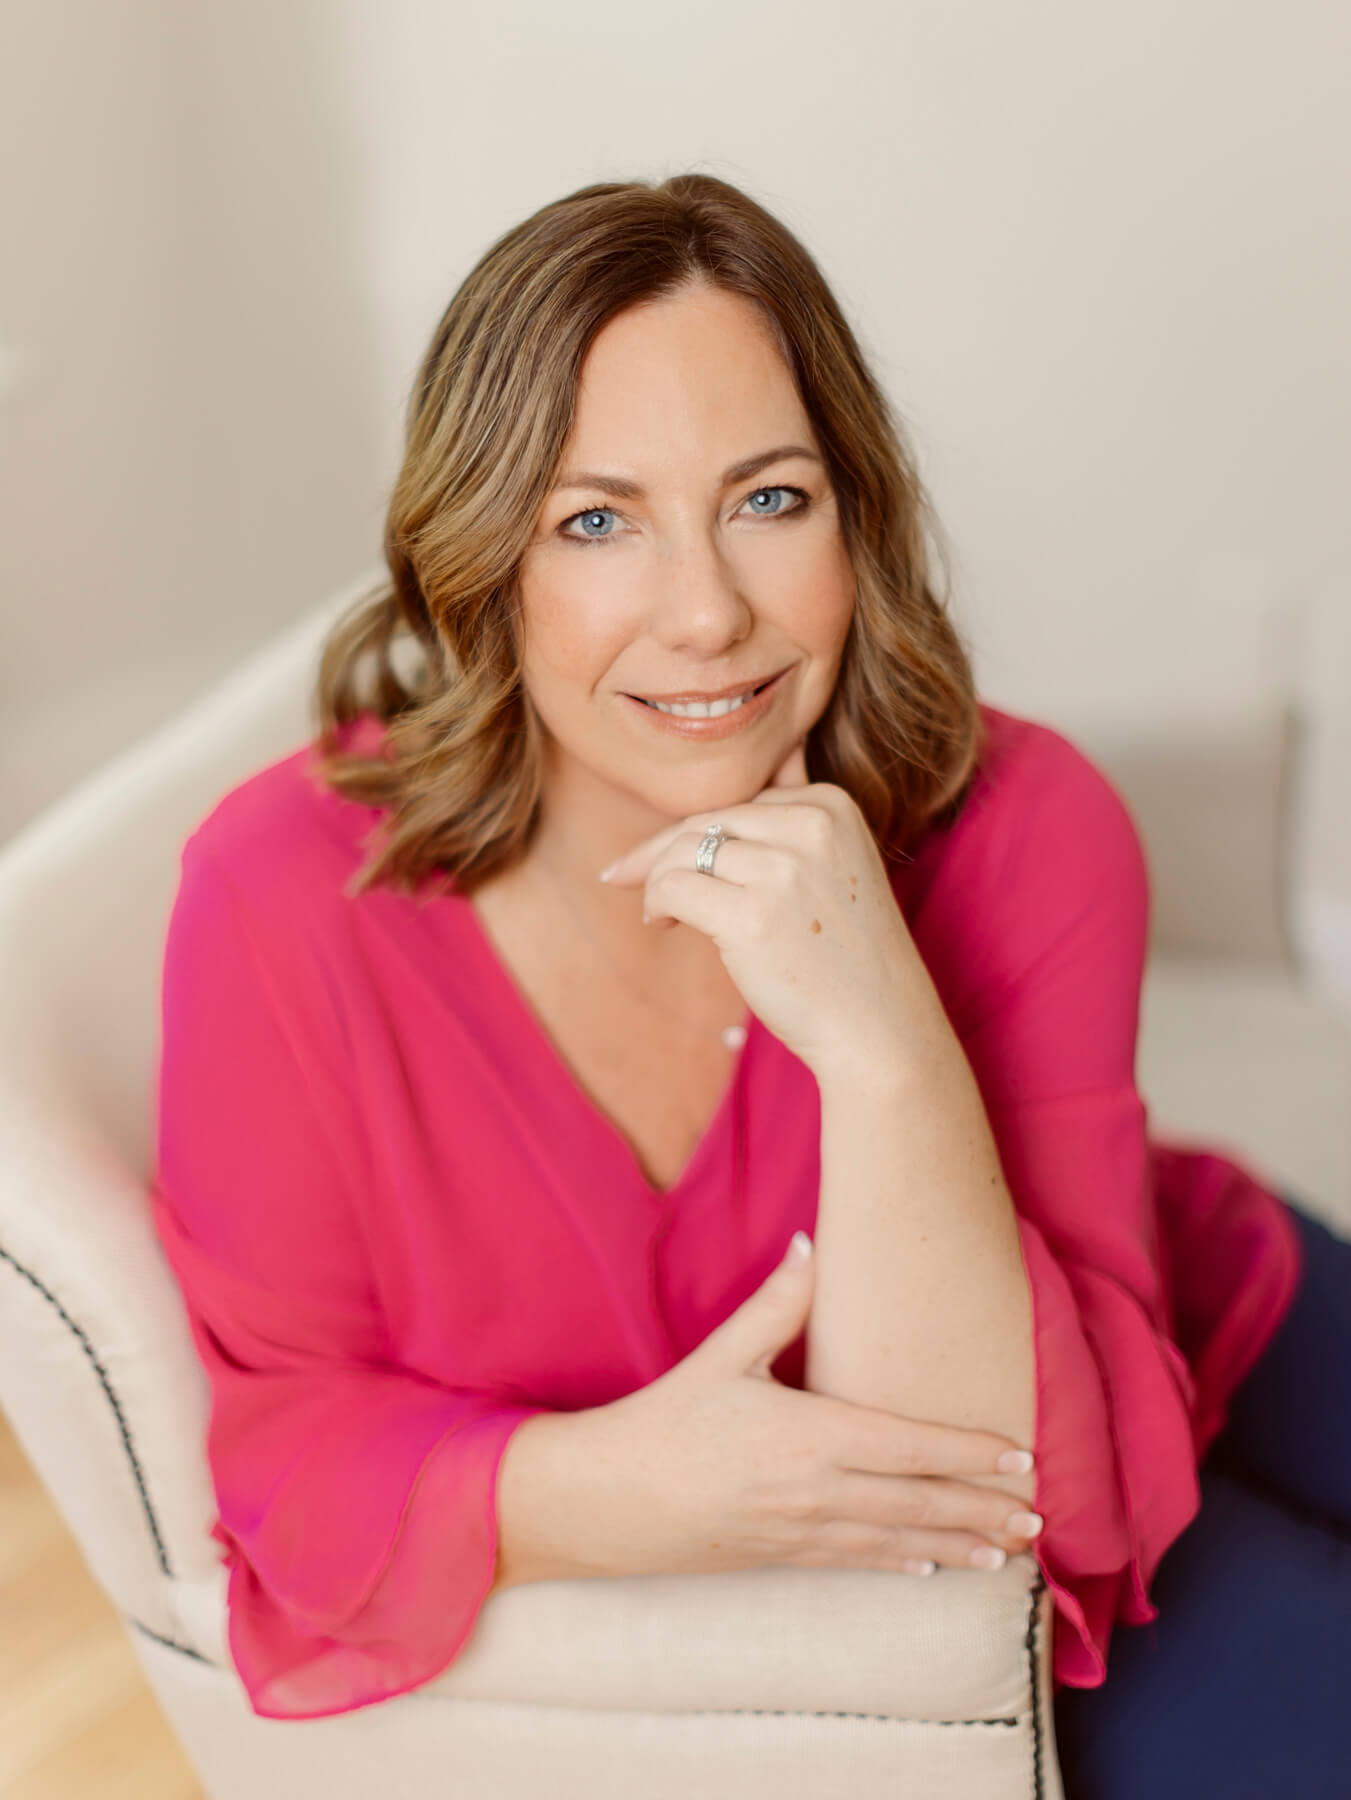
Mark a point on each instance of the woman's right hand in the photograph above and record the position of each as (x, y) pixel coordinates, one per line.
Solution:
(716, 1465)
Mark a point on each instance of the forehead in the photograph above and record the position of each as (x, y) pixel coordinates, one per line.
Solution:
(693, 379)
(742, 470)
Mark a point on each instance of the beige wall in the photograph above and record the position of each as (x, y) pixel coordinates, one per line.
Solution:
(1100, 255)
(189, 443)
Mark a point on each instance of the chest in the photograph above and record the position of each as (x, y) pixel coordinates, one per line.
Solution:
(658, 1082)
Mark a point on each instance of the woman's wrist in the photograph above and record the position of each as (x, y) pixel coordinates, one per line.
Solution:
(909, 1033)
(542, 1511)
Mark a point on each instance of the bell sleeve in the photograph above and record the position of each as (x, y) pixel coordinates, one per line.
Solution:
(356, 1498)
(1052, 1042)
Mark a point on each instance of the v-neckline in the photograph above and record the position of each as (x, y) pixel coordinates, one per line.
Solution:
(569, 1092)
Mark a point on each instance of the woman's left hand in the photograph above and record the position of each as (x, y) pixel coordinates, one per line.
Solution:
(802, 913)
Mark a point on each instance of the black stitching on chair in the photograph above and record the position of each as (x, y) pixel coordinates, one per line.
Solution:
(1030, 1639)
(169, 1643)
(106, 1385)
(1035, 1593)
(802, 1712)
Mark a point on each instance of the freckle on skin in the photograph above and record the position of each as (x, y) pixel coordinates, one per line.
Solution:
(816, 924)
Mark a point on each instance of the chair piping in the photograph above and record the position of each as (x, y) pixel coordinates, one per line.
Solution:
(118, 1414)
(1029, 1640)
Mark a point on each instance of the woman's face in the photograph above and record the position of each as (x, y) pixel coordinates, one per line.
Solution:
(657, 568)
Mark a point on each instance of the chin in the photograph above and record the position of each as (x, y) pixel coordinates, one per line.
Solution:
(708, 793)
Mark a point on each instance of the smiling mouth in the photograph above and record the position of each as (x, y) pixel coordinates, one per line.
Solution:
(703, 709)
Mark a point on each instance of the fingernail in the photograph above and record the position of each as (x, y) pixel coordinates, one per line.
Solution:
(610, 868)
(647, 918)
(1015, 1462)
(799, 1248)
(919, 1566)
(987, 1556)
(1024, 1524)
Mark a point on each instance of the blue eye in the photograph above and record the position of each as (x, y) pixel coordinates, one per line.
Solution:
(774, 490)
(593, 513)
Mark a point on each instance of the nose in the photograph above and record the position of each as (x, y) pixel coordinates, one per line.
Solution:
(699, 602)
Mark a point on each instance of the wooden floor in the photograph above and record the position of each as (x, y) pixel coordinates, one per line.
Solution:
(78, 1720)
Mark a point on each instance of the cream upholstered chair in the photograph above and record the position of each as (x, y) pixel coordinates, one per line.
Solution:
(796, 1683)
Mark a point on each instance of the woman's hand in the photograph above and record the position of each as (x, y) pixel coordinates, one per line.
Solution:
(802, 913)
(716, 1465)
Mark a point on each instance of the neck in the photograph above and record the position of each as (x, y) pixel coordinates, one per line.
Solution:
(612, 919)
(579, 831)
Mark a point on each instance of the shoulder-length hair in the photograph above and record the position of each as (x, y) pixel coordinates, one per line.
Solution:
(458, 774)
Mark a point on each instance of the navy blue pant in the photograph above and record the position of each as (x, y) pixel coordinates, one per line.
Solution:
(1241, 1687)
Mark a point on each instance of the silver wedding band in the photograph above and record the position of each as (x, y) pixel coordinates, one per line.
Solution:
(708, 849)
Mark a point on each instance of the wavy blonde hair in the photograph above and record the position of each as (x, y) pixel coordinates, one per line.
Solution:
(458, 775)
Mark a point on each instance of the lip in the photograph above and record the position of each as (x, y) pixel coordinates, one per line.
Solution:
(727, 693)
(741, 718)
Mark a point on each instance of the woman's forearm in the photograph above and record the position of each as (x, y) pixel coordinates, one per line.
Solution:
(545, 1504)
(921, 1303)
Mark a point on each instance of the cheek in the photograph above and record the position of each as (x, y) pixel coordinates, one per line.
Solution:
(819, 599)
(572, 636)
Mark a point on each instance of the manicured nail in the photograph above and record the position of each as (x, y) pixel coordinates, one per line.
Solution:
(610, 868)
(1015, 1462)
(987, 1556)
(1024, 1524)
(799, 1248)
(919, 1565)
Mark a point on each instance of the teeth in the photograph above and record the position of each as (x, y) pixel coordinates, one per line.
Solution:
(699, 709)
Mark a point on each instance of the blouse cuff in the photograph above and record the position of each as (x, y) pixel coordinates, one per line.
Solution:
(1116, 1471)
(423, 1605)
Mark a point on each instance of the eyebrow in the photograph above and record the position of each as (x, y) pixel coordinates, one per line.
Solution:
(632, 490)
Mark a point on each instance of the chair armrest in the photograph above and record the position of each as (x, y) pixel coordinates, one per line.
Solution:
(963, 1644)
(98, 1375)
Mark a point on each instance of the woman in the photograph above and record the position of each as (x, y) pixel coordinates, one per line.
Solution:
(513, 1028)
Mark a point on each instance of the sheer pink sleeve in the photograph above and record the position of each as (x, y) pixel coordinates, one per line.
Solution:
(356, 1498)
(1052, 1043)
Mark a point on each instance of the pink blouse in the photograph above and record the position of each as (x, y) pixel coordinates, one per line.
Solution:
(401, 1227)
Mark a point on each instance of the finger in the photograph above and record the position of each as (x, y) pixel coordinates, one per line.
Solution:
(740, 860)
(749, 820)
(690, 898)
(738, 863)
(631, 869)
(932, 1505)
(883, 1541)
(886, 1443)
(949, 1549)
